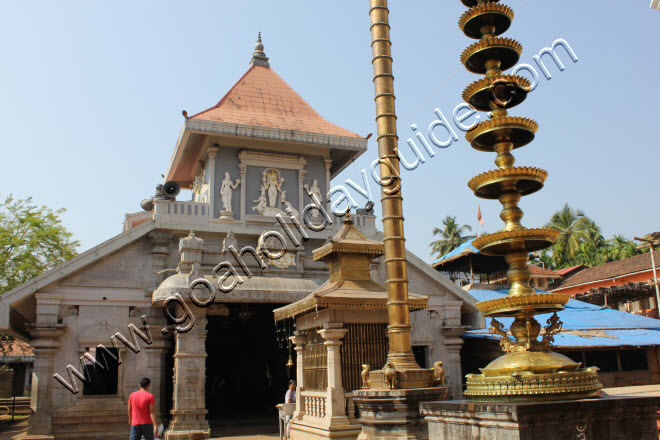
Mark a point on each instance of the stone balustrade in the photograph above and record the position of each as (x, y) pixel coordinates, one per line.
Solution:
(181, 208)
(315, 403)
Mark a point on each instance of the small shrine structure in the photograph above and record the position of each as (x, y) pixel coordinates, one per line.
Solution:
(341, 333)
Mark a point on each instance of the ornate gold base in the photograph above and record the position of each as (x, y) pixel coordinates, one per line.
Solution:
(404, 379)
(530, 362)
(536, 303)
(579, 384)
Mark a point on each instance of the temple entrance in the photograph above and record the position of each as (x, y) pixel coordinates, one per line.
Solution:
(246, 373)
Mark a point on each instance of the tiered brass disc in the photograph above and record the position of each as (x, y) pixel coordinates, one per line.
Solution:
(529, 370)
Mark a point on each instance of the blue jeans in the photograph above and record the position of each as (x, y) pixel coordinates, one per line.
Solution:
(137, 431)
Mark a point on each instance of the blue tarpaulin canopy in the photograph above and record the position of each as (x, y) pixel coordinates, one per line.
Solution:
(467, 259)
(464, 248)
(585, 325)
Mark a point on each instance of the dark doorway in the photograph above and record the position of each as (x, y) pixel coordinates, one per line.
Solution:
(246, 373)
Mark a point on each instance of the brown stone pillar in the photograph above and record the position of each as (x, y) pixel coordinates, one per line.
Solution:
(335, 408)
(189, 408)
(452, 362)
(156, 354)
(299, 344)
(161, 249)
(45, 346)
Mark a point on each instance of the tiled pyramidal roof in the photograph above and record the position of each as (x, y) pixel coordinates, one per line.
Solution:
(261, 98)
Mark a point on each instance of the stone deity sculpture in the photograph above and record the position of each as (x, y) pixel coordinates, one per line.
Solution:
(315, 194)
(261, 202)
(273, 186)
(225, 191)
(203, 196)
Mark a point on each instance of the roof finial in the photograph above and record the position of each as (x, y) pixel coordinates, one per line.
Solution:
(259, 58)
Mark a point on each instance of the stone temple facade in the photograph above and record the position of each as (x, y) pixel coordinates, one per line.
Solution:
(253, 162)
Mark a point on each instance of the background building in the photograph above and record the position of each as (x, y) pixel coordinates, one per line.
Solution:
(258, 154)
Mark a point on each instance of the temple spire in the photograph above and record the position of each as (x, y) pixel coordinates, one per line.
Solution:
(259, 58)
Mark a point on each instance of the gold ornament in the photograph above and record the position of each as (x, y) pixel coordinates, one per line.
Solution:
(528, 370)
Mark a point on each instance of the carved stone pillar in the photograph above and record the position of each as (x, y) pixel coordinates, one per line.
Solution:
(189, 406)
(243, 207)
(45, 346)
(452, 361)
(191, 249)
(299, 344)
(301, 181)
(210, 166)
(156, 354)
(328, 164)
(335, 408)
(160, 251)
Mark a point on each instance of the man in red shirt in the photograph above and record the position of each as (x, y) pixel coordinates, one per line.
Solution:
(141, 414)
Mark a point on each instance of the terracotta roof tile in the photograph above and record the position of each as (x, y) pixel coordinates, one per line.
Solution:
(538, 270)
(613, 269)
(20, 348)
(261, 98)
(564, 271)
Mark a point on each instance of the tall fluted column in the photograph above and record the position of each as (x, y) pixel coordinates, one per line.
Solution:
(160, 250)
(398, 309)
(210, 166)
(301, 181)
(298, 341)
(243, 207)
(335, 409)
(189, 409)
(328, 164)
(45, 345)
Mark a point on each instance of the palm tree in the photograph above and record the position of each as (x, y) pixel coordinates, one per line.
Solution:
(451, 236)
(574, 228)
(621, 248)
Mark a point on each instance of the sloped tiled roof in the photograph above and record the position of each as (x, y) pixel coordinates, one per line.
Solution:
(566, 270)
(18, 351)
(538, 270)
(261, 98)
(638, 263)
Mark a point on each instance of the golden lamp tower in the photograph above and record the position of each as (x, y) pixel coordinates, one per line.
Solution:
(400, 354)
(528, 370)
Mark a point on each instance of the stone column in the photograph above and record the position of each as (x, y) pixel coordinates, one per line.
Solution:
(243, 207)
(160, 250)
(328, 164)
(299, 344)
(452, 331)
(301, 199)
(452, 362)
(213, 151)
(45, 345)
(156, 355)
(189, 406)
(335, 409)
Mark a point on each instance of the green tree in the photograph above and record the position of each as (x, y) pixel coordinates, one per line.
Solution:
(451, 236)
(32, 241)
(574, 228)
(621, 248)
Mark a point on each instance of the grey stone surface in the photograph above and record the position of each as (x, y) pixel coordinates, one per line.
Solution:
(588, 419)
(394, 414)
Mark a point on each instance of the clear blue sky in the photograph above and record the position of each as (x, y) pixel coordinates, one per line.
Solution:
(91, 95)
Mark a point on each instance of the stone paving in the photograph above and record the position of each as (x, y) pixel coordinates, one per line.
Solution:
(251, 437)
(13, 431)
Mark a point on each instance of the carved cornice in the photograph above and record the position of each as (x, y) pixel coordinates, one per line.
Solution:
(270, 160)
(275, 134)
